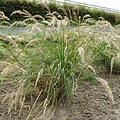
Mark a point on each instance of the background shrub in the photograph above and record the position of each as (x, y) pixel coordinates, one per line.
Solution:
(8, 6)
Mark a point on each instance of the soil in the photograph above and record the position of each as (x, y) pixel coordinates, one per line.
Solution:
(91, 102)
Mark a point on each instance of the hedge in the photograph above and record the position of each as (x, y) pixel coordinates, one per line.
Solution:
(8, 6)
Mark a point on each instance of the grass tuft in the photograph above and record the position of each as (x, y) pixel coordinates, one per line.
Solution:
(49, 59)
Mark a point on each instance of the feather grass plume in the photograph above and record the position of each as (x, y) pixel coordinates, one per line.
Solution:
(45, 5)
(2, 16)
(104, 83)
(32, 42)
(14, 66)
(4, 37)
(27, 15)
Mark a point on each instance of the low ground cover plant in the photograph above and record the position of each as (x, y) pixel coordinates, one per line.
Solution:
(49, 59)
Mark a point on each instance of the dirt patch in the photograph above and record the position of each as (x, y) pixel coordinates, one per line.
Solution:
(91, 102)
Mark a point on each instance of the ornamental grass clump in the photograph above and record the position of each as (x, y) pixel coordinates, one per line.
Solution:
(46, 67)
(50, 68)
(50, 60)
